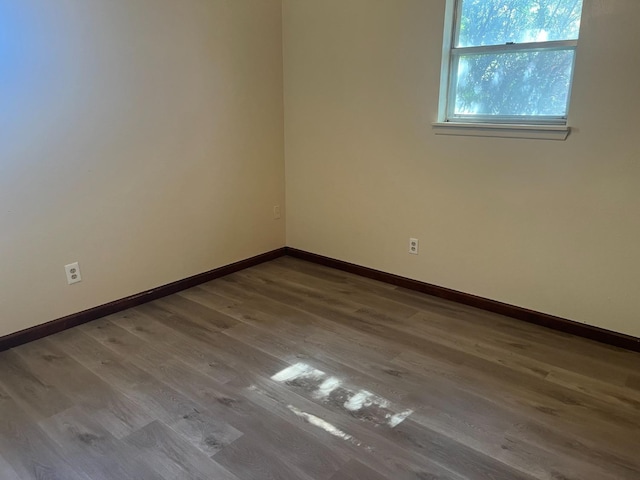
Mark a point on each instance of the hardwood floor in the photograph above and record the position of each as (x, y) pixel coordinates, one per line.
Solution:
(290, 370)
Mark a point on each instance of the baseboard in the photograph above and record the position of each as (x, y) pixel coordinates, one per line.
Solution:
(55, 326)
(556, 323)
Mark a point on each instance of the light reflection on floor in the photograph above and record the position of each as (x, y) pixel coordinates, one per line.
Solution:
(361, 404)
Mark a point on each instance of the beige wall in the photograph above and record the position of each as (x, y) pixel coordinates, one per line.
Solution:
(551, 226)
(145, 139)
(142, 138)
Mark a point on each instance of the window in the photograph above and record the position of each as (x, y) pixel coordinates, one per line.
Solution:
(509, 61)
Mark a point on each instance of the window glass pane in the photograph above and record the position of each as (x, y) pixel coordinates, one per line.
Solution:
(515, 83)
(496, 22)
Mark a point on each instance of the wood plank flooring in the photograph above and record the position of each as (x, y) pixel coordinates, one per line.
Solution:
(290, 370)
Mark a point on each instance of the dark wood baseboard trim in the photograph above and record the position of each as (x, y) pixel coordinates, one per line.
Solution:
(55, 326)
(556, 323)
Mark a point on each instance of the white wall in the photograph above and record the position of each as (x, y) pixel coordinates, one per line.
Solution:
(550, 226)
(142, 138)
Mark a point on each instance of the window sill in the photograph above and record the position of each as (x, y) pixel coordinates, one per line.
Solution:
(537, 132)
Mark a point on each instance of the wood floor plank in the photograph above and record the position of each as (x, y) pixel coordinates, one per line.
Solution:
(27, 449)
(348, 433)
(492, 345)
(541, 343)
(230, 351)
(517, 371)
(164, 450)
(228, 402)
(35, 394)
(557, 400)
(231, 331)
(238, 355)
(207, 433)
(460, 458)
(194, 352)
(158, 399)
(181, 305)
(222, 401)
(319, 289)
(336, 277)
(497, 324)
(119, 414)
(356, 470)
(281, 438)
(91, 448)
(409, 438)
(541, 401)
(249, 460)
(294, 370)
(568, 455)
(604, 370)
(347, 367)
(487, 422)
(562, 397)
(207, 298)
(617, 395)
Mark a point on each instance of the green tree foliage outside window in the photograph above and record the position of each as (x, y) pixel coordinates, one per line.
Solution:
(513, 58)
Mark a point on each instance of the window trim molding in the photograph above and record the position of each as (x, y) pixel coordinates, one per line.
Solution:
(549, 129)
(445, 68)
(502, 130)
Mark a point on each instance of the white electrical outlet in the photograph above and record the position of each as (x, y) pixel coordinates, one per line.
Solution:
(413, 246)
(276, 212)
(73, 273)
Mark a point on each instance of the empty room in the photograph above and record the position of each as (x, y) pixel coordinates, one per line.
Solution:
(319, 240)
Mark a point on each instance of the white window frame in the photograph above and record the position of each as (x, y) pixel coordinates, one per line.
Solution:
(534, 127)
